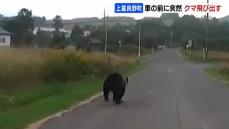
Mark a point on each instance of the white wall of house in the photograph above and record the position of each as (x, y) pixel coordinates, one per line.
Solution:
(46, 29)
(4, 40)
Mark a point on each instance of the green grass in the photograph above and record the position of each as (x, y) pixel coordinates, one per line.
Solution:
(215, 72)
(34, 104)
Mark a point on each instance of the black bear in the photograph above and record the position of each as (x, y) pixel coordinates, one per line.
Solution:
(116, 84)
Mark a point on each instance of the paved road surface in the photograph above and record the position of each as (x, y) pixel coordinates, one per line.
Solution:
(168, 94)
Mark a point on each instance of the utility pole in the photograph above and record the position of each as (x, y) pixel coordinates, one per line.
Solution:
(171, 37)
(206, 37)
(105, 24)
(139, 39)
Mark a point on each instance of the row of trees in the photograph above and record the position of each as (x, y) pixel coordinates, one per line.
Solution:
(189, 27)
(169, 29)
(22, 27)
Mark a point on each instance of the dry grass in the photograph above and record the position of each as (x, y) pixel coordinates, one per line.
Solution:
(22, 56)
(219, 56)
(98, 57)
(20, 66)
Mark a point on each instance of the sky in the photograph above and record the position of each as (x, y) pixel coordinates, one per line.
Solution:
(69, 9)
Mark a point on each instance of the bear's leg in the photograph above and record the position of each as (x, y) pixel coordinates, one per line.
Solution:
(120, 95)
(117, 97)
(106, 91)
(122, 92)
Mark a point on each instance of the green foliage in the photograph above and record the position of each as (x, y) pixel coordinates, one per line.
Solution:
(59, 40)
(42, 39)
(116, 33)
(22, 27)
(189, 27)
(77, 36)
(64, 68)
(221, 73)
(57, 24)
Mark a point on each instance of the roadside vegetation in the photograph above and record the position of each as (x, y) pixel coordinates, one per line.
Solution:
(218, 60)
(220, 71)
(35, 83)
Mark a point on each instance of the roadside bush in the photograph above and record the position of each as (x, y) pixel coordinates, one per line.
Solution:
(63, 68)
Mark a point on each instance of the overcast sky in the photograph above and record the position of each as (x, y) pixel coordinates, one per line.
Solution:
(69, 9)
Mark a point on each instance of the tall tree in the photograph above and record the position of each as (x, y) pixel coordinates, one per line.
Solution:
(59, 39)
(57, 24)
(77, 35)
(25, 19)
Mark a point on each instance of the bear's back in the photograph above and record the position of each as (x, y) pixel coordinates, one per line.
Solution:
(114, 80)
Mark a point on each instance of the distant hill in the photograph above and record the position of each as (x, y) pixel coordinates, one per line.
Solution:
(69, 24)
(224, 19)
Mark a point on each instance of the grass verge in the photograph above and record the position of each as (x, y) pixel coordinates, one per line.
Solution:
(27, 109)
(218, 74)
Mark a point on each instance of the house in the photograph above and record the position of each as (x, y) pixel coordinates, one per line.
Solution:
(51, 30)
(5, 38)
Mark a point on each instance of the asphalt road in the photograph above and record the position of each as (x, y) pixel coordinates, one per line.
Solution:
(168, 94)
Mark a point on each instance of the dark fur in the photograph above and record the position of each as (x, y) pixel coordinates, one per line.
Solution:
(116, 84)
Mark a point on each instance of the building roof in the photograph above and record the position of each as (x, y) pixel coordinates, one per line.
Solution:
(4, 32)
